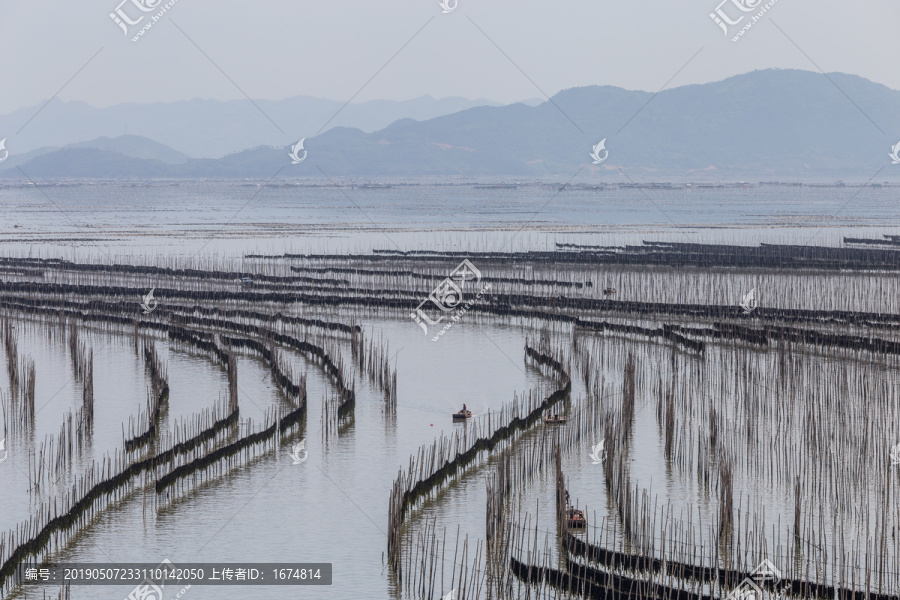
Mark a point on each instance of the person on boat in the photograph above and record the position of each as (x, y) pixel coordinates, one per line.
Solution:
(464, 409)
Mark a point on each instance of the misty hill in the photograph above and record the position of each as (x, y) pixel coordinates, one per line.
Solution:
(100, 164)
(762, 124)
(126, 146)
(766, 122)
(136, 147)
(211, 128)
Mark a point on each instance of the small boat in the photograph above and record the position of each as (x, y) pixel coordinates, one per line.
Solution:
(555, 419)
(246, 280)
(609, 291)
(462, 415)
(575, 518)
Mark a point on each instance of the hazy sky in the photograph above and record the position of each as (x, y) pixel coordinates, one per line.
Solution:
(275, 49)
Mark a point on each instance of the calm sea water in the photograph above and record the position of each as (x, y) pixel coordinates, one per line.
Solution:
(333, 507)
(225, 218)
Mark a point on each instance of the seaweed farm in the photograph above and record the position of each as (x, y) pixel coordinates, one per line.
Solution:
(653, 420)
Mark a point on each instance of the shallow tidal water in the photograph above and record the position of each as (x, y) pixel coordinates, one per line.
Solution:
(140, 220)
(333, 507)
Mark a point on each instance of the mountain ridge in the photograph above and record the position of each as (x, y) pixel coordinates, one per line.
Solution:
(770, 123)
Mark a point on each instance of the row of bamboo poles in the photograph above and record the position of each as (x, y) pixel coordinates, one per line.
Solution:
(432, 467)
(660, 292)
(199, 448)
(375, 361)
(735, 538)
(811, 419)
(157, 400)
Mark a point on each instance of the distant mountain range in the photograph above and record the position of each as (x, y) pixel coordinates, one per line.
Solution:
(212, 128)
(764, 124)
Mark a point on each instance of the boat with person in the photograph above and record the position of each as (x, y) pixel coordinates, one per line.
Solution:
(463, 414)
(553, 419)
(575, 518)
